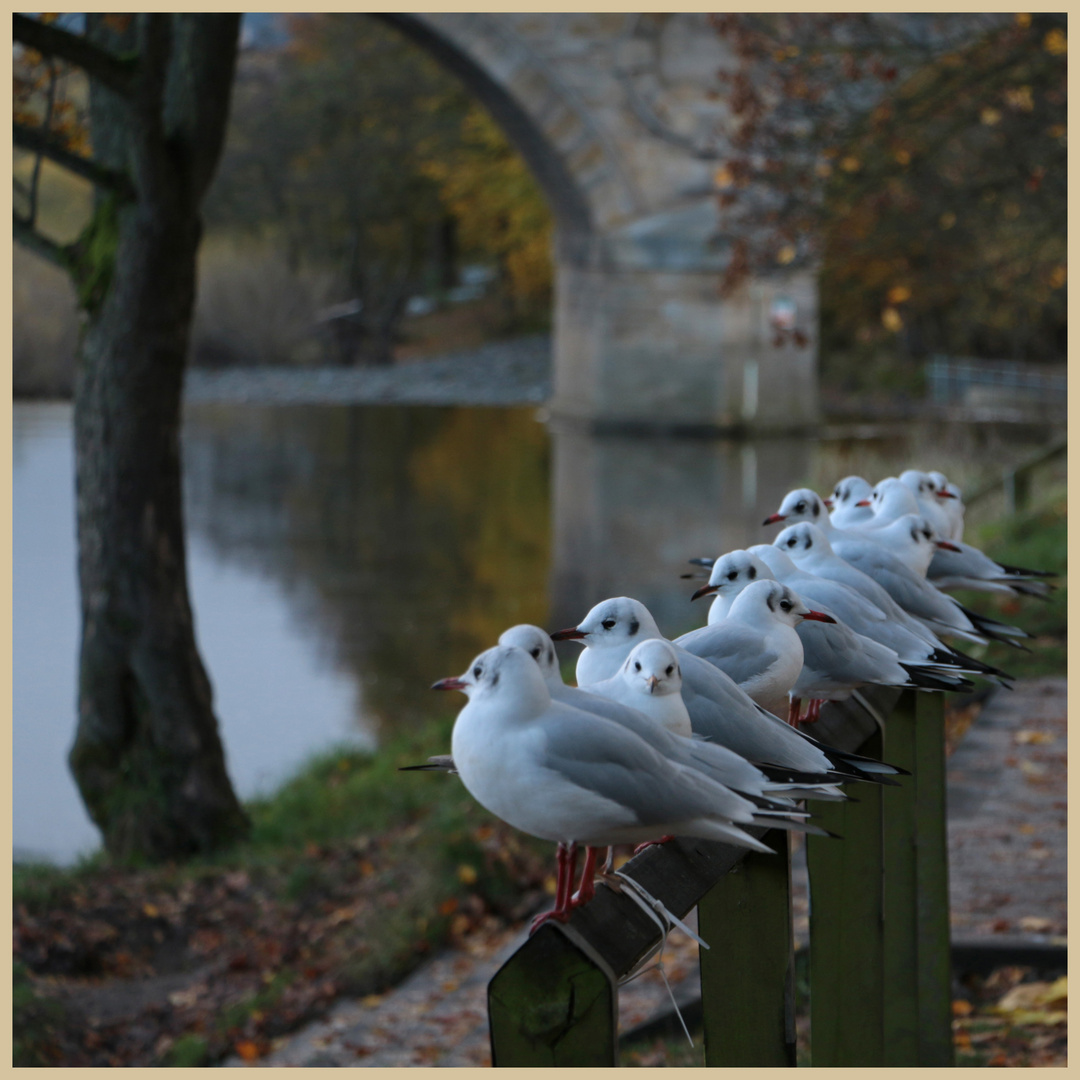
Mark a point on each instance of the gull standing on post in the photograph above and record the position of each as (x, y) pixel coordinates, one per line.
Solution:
(757, 644)
(572, 777)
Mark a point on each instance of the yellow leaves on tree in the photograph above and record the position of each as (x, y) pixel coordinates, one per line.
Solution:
(500, 211)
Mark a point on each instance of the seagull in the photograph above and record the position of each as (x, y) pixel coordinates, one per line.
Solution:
(573, 777)
(846, 506)
(925, 490)
(836, 659)
(913, 540)
(915, 645)
(718, 709)
(952, 500)
(914, 595)
(651, 682)
(756, 644)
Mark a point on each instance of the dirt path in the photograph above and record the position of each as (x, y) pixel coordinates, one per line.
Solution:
(1007, 820)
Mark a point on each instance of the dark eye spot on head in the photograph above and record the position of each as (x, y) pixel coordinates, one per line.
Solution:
(791, 541)
(752, 573)
(495, 679)
(477, 671)
(670, 669)
(800, 506)
(817, 508)
(733, 575)
(635, 626)
(769, 601)
(808, 543)
(550, 655)
(607, 624)
(637, 665)
(785, 605)
(535, 653)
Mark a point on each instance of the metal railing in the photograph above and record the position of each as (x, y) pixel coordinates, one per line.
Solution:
(952, 381)
(879, 927)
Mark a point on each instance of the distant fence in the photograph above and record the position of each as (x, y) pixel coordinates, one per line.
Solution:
(959, 381)
(879, 927)
(1015, 480)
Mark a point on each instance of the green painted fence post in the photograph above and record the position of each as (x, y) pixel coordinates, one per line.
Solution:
(553, 1003)
(846, 929)
(932, 883)
(879, 910)
(747, 973)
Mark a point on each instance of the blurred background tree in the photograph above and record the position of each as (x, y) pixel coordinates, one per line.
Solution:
(921, 162)
(356, 155)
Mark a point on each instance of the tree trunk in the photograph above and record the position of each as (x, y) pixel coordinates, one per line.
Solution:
(147, 755)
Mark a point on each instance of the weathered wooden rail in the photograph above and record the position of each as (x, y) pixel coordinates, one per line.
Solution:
(879, 928)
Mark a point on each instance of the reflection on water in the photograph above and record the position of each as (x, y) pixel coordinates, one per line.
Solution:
(343, 557)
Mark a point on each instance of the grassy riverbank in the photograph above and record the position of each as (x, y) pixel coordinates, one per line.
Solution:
(353, 873)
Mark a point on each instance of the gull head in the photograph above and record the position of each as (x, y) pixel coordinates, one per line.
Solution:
(616, 623)
(942, 488)
(893, 498)
(802, 504)
(652, 668)
(850, 491)
(776, 560)
(803, 541)
(505, 674)
(537, 643)
(731, 573)
(918, 483)
(770, 600)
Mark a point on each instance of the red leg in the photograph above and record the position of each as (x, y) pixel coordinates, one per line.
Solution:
(587, 889)
(565, 857)
(649, 843)
(794, 706)
(813, 712)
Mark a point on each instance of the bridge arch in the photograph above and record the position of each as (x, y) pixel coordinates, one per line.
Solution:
(621, 119)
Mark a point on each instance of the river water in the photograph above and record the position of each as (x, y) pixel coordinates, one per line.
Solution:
(343, 557)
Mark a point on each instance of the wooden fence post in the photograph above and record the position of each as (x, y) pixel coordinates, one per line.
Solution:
(748, 971)
(879, 908)
(554, 1003)
(846, 929)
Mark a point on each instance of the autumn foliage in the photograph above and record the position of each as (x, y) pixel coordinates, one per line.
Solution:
(919, 160)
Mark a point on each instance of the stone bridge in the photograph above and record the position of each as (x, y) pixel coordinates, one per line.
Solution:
(621, 119)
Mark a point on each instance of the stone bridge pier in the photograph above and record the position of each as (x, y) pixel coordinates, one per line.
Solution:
(621, 118)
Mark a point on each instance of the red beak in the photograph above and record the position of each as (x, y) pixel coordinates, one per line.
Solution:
(828, 503)
(946, 545)
(571, 633)
(453, 683)
(945, 495)
(819, 616)
(704, 591)
(772, 519)
(864, 502)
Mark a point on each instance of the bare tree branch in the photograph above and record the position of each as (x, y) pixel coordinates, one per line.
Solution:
(34, 139)
(29, 237)
(51, 40)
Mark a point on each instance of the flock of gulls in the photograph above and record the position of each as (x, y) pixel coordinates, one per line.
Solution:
(685, 738)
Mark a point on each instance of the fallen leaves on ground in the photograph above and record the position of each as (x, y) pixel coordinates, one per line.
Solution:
(174, 966)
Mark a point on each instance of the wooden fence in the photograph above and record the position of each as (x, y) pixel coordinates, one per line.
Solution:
(879, 927)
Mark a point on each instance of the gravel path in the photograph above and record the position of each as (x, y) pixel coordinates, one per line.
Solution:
(515, 372)
(1007, 851)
